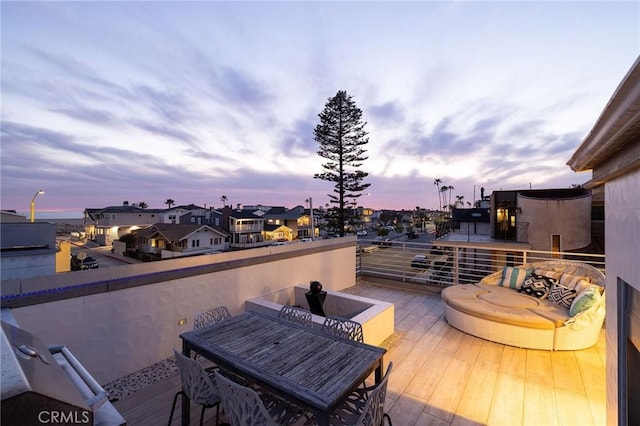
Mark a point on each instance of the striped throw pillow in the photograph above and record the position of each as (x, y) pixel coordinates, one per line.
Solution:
(571, 281)
(513, 277)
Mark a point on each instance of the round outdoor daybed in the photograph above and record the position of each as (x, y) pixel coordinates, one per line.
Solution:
(552, 305)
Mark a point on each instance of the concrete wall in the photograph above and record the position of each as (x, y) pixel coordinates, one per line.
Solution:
(570, 218)
(63, 257)
(28, 249)
(121, 330)
(622, 241)
(376, 317)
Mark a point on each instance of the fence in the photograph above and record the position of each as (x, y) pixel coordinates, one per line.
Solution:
(444, 263)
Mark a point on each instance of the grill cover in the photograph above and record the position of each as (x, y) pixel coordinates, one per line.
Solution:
(47, 385)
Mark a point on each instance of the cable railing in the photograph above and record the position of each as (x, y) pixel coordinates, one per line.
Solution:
(443, 263)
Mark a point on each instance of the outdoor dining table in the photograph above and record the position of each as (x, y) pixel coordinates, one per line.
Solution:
(311, 369)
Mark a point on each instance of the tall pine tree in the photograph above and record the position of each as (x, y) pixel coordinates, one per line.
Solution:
(342, 138)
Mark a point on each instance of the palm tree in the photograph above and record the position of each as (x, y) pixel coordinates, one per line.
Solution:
(169, 202)
(460, 200)
(224, 200)
(143, 205)
(443, 194)
(450, 188)
(437, 182)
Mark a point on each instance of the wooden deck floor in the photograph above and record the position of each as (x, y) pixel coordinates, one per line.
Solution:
(442, 376)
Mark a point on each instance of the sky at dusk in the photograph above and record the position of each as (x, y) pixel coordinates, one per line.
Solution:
(104, 102)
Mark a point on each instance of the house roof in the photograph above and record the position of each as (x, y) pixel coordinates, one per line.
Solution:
(244, 214)
(291, 214)
(187, 207)
(120, 209)
(175, 231)
(272, 228)
(617, 129)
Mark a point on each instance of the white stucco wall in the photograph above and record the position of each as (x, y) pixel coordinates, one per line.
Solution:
(27, 266)
(622, 242)
(570, 218)
(119, 332)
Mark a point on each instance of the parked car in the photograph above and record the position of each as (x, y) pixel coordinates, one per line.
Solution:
(382, 241)
(81, 264)
(413, 234)
(361, 233)
(420, 261)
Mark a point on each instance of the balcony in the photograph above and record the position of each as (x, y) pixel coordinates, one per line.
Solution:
(445, 377)
(122, 321)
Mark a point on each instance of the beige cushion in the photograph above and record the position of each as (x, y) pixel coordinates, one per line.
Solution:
(509, 300)
(491, 312)
(552, 311)
(461, 291)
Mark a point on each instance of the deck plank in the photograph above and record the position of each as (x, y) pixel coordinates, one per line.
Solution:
(477, 394)
(442, 376)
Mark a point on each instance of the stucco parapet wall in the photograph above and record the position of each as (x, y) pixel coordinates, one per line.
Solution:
(375, 316)
(32, 291)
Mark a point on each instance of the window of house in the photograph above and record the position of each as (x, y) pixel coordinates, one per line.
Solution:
(195, 243)
(217, 221)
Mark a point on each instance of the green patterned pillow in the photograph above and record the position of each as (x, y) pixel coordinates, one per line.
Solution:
(585, 299)
(513, 277)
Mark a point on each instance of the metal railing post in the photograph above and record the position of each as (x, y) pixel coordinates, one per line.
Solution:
(456, 260)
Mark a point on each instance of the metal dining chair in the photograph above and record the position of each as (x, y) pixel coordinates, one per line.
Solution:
(210, 316)
(343, 327)
(296, 315)
(346, 328)
(196, 385)
(364, 406)
(243, 405)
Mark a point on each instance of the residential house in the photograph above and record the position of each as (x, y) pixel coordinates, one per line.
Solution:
(108, 224)
(192, 214)
(246, 229)
(168, 240)
(611, 151)
(474, 221)
(546, 219)
(289, 224)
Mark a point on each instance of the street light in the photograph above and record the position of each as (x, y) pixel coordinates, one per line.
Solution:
(313, 230)
(33, 205)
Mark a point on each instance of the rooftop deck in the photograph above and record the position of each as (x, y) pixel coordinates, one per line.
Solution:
(445, 377)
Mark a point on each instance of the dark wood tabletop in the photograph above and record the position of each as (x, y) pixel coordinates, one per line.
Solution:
(314, 370)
